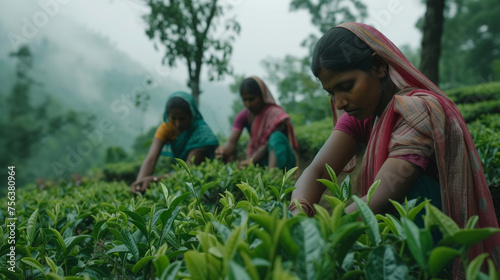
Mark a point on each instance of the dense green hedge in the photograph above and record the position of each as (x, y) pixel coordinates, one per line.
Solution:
(216, 221)
(311, 138)
(475, 94)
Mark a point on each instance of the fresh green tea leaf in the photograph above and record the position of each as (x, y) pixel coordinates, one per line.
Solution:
(384, 263)
(129, 241)
(369, 219)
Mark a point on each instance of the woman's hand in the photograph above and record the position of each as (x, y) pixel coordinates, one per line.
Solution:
(220, 152)
(244, 163)
(142, 184)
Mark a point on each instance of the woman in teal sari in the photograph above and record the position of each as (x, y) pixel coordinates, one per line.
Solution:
(183, 134)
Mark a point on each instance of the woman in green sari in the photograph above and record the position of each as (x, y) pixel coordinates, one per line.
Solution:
(183, 134)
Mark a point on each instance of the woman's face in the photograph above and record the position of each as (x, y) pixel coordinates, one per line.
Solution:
(355, 91)
(180, 119)
(252, 102)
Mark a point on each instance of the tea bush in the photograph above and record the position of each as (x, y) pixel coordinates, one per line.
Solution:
(216, 221)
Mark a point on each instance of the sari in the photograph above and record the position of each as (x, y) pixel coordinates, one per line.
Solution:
(463, 187)
(268, 121)
(198, 135)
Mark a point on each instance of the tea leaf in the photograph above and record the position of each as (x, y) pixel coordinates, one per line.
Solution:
(33, 263)
(469, 237)
(129, 241)
(206, 187)
(346, 188)
(237, 272)
(223, 230)
(332, 174)
(471, 223)
(401, 210)
(30, 230)
(414, 211)
(165, 193)
(73, 240)
(138, 266)
(384, 263)
(474, 267)
(344, 237)
(311, 245)
(418, 241)
(51, 264)
(331, 186)
(435, 217)
(59, 239)
(369, 219)
(439, 258)
(170, 273)
(288, 174)
(184, 166)
(371, 191)
(232, 243)
(168, 224)
(196, 264)
(97, 229)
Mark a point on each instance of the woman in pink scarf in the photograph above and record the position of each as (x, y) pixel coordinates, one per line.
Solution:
(272, 140)
(418, 144)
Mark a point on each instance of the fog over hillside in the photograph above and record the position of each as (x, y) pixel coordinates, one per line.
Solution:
(83, 71)
(86, 72)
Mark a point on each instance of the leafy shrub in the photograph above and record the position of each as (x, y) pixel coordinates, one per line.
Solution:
(121, 171)
(475, 94)
(98, 231)
(311, 138)
(486, 135)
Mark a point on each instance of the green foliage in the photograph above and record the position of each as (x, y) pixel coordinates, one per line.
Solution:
(469, 47)
(296, 84)
(474, 94)
(31, 123)
(196, 224)
(115, 154)
(191, 31)
(311, 138)
(121, 171)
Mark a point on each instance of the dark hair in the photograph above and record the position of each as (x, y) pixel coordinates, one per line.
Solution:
(340, 50)
(250, 86)
(178, 103)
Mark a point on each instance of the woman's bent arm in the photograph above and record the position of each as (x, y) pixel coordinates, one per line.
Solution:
(148, 166)
(230, 146)
(336, 152)
(397, 177)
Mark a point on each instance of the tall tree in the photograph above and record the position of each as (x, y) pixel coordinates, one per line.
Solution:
(469, 43)
(195, 32)
(431, 39)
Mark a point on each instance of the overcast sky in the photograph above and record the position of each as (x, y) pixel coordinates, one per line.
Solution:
(269, 29)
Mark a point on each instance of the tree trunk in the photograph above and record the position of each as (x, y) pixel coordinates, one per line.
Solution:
(431, 39)
(194, 84)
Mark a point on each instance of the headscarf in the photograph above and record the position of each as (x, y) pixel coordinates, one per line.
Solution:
(198, 134)
(464, 190)
(267, 121)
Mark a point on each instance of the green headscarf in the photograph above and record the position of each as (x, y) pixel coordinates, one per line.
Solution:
(198, 134)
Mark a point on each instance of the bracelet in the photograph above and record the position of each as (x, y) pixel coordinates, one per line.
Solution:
(305, 205)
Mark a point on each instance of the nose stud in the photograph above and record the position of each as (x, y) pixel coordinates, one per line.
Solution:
(343, 102)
